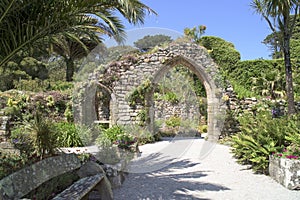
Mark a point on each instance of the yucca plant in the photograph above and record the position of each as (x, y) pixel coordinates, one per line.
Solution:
(43, 135)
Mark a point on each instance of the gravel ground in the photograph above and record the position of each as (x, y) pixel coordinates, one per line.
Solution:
(195, 169)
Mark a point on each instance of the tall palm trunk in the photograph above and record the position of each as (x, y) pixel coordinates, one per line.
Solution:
(70, 69)
(288, 67)
(289, 77)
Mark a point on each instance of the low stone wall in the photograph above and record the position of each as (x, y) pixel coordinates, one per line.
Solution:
(20, 183)
(286, 172)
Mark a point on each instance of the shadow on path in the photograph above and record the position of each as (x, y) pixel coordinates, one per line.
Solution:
(171, 182)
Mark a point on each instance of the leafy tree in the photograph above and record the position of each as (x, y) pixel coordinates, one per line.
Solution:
(195, 33)
(150, 41)
(277, 14)
(71, 50)
(34, 68)
(272, 43)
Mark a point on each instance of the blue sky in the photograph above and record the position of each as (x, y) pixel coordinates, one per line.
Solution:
(233, 20)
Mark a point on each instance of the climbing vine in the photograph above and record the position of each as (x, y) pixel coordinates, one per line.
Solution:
(137, 96)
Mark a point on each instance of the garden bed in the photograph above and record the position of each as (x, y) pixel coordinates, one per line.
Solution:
(285, 171)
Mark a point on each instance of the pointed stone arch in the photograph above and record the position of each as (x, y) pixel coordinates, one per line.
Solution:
(132, 72)
(214, 94)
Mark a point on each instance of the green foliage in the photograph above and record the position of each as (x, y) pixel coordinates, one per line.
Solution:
(142, 117)
(34, 68)
(256, 78)
(10, 163)
(22, 140)
(68, 135)
(148, 42)
(44, 136)
(36, 137)
(140, 133)
(69, 113)
(260, 137)
(173, 121)
(272, 41)
(221, 51)
(170, 97)
(9, 76)
(195, 33)
(137, 96)
(115, 135)
(20, 106)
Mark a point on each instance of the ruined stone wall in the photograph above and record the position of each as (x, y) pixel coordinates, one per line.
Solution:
(153, 66)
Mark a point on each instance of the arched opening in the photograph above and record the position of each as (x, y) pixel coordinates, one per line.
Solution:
(102, 106)
(213, 101)
(180, 104)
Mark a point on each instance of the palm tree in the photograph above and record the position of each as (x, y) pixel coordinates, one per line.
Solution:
(24, 23)
(71, 50)
(277, 14)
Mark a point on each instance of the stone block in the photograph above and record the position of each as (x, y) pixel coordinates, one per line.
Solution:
(285, 171)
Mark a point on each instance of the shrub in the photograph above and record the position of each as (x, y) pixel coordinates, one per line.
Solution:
(173, 122)
(115, 135)
(44, 135)
(10, 163)
(261, 136)
(35, 138)
(68, 135)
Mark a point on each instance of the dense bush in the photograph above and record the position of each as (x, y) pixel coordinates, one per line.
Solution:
(115, 135)
(173, 122)
(20, 105)
(68, 135)
(221, 51)
(261, 78)
(261, 136)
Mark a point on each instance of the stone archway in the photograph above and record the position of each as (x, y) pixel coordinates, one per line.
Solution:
(214, 94)
(133, 71)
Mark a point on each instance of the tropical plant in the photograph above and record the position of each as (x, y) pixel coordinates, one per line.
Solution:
(26, 22)
(277, 14)
(261, 136)
(36, 137)
(44, 135)
(195, 33)
(272, 42)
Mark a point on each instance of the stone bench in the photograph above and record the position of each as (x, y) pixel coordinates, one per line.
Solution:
(82, 188)
(22, 182)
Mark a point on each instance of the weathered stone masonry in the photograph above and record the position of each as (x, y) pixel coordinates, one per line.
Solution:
(153, 67)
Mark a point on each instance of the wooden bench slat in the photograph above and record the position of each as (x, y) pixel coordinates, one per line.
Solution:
(80, 188)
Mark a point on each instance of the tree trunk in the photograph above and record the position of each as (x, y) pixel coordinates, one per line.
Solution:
(288, 75)
(70, 69)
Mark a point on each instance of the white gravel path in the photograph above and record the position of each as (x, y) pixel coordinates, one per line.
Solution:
(176, 170)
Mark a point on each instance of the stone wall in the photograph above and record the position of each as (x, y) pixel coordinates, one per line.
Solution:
(165, 110)
(130, 73)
